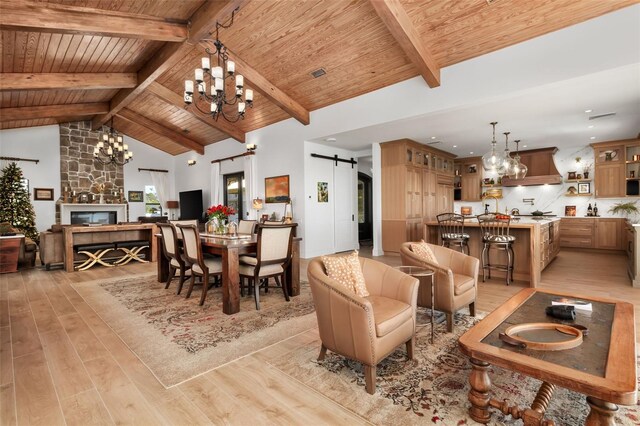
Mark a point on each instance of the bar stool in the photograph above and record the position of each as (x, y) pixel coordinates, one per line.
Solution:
(451, 228)
(495, 234)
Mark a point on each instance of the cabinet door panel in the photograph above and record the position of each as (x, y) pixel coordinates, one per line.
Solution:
(610, 180)
(609, 234)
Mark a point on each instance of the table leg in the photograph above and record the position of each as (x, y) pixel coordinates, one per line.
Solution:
(479, 394)
(163, 262)
(602, 413)
(293, 270)
(230, 281)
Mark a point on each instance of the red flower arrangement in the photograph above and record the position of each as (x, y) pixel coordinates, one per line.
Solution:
(220, 212)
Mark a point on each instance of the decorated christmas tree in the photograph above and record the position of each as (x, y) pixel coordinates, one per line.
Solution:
(15, 206)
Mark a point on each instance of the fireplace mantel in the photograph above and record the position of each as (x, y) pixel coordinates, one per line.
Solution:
(66, 209)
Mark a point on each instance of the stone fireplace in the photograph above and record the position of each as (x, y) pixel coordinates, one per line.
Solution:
(81, 174)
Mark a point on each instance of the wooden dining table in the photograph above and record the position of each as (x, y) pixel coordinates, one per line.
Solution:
(230, 251)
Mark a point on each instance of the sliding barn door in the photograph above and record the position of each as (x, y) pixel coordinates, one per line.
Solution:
(345, 234)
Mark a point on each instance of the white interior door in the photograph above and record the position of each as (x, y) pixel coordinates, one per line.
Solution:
(346, 231)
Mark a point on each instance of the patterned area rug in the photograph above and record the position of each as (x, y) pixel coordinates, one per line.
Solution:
(177, 339)
(432, 388)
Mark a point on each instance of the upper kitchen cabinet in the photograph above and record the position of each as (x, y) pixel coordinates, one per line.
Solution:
(617, 164)
(468, 179)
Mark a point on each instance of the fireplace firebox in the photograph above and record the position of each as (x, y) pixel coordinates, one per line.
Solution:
(104, 217)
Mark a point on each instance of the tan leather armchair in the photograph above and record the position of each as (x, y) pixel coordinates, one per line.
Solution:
(456, 280)
(365, 329)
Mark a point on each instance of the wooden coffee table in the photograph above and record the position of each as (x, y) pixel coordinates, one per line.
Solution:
(603, 367)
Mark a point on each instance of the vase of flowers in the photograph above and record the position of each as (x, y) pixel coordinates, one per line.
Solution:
(218, 217)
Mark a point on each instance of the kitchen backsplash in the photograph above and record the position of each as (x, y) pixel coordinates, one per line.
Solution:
(552, 197)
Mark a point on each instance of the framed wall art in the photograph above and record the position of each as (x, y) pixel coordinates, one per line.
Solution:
(136, 196)
(43, 194)
(323, 192)
(584, 188)
(276, 189)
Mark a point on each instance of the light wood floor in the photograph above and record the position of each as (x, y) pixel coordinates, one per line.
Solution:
(61, 364)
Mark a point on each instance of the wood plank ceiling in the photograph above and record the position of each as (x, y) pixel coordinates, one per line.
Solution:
(47, 46)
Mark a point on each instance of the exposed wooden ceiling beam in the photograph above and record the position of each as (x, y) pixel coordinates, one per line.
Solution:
(180, 139)
(170, 54)
(399, 24)
(270, 91)
(29, 16)
(66, 81)
(52, 111)
(177, 100)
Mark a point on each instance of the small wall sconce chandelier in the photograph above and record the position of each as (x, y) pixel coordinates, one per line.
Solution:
(191, 162)
(111, 149)
(251, 147)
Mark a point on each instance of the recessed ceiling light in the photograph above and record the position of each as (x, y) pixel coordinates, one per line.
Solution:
(471, 152)
(590, 127)
(592, 137)
(433, 137)
(455, 146)
(588, 110)
(330, 139)
(524, 146)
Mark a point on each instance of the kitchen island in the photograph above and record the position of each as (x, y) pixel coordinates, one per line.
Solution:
(537, 244)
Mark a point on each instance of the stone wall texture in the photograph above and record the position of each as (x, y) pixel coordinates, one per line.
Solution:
(80, 172)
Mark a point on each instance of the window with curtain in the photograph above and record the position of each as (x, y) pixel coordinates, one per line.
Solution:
(152, 206)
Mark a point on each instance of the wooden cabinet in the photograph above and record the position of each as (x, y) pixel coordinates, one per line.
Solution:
(417, 184)
(617, 168)
(577, 233)
(470, 178)
(593, 233)
(609, 181)
(608, 234)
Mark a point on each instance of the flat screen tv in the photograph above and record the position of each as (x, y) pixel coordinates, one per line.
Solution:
(191, 205)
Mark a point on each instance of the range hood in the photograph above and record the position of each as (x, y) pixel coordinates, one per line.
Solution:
(542, 169)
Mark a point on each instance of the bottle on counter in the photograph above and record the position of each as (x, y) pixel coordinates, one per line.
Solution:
(589, 210)
(595, 209)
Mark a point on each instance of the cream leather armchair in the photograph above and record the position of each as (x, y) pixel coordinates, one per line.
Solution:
(365, 329)
(456, 280)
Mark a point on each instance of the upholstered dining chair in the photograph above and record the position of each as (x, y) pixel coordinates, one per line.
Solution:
(173, 252)
(456, 279)
(200, 266)
(247, 226)
(273, 256)
(365, 329)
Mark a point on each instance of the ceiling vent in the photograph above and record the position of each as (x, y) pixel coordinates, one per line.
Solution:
(433, 143)
(596, 117)
(490, 2)
(318, 73)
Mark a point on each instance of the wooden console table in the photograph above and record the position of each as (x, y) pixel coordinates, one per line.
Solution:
(75, 235)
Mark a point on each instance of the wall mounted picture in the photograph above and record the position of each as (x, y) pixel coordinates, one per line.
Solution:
(584, 188)
(323, 192)
(276, 189)
(569, 210)
(136, 196)
(43, 194)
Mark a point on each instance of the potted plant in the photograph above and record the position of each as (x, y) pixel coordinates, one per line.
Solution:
(218, 217)
(625, 208)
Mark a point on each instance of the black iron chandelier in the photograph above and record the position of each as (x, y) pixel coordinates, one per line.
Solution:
(111, 148)
(217, 78)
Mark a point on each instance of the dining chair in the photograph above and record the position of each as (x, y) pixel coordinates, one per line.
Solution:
(200, 266)
(272, 259)
(247, 226)
(173, 252)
